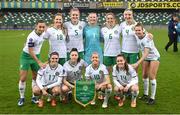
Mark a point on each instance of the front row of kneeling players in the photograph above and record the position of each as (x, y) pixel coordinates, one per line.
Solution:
(56, 80)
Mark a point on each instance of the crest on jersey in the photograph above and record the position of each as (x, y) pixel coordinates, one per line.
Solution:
(57, 73)
(30, 40)
(142, 44)
(80, 27)
(132, 28)
(115, 32)
(80, 67)
(101, 72)
(84, 92)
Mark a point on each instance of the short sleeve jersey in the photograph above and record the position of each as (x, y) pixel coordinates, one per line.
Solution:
(129, 43)
(35, 41)
(57, 41)
(123, 77)
(74, 72)
(98, 74)
(50, 75)
(75, 35)
(148, 43)
(111, 41)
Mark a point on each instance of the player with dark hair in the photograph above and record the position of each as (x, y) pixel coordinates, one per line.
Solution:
(125, 80)
(30, 58)
(49, 80)
(73, 69)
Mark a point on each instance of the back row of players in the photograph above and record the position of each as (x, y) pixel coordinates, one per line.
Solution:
(67, 43)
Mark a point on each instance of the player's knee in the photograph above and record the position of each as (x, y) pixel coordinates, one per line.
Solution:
(121, 88)
(22, 78)
(109, 86)
(36, 91)
(34, 77)
(116, 89)
(56, 90)
(65, 88)
(145, 75)
(152, 76)
(135, 88)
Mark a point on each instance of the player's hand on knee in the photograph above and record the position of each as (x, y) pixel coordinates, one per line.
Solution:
(44, 92)
(126, 89)
(98, 87)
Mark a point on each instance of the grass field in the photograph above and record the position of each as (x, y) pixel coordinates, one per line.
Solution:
(168, 82)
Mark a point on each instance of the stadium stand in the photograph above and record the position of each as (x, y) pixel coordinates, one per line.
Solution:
(29, 18)
(24, 13)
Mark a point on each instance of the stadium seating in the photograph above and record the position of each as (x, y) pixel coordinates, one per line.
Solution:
(19, 19)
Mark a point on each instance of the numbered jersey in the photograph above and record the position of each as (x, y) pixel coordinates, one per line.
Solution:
(111, 41)
(98, 74)
(35, 41)
(75, 35)
(92, 43)
(148, 43)
(57, 41)
(74, 72)
(123, 77)
(129, 43)
(50, 75)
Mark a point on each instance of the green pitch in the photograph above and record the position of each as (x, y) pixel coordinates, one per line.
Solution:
(168, 82)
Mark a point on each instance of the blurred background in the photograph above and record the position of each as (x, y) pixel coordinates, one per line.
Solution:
(22, 14)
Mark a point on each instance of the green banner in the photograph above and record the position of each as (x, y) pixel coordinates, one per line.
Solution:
(84, 92)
